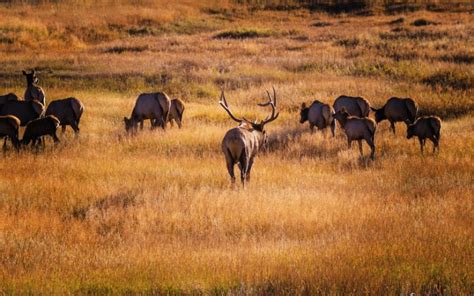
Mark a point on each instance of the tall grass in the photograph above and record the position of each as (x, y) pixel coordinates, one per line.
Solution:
(106, 213)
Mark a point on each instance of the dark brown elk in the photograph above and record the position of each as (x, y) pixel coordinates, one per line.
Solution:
(176, 112)
(397, 110)
(9, 127)
(358, 129)
(8, 97)
(68, 111)
(41, 127)
(426, 127)
(318, 114)
(25, 111)
(152, 106)
(355, 106)
(242, 143)
(33, 91)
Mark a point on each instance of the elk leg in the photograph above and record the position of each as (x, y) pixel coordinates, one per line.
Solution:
(392, 126)
(435, 143)
(244, 166)
(422, 143)
(230, 165)
(55, 138)
(141, 124)
(41, 141)
(5, 143)
(178, 121)
(360, 148)
(372, 148)
(63, 128)
(16, 143)
(349, 143)
(333, 128)
(311, 127)
(249, 169)
(75, 127)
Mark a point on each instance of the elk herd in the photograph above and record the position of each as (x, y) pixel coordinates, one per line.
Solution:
(31, 114)
(240, 144)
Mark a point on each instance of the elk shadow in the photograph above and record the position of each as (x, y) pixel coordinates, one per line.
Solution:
(299, 143)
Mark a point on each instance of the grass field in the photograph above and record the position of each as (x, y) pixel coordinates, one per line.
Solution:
(155, 214)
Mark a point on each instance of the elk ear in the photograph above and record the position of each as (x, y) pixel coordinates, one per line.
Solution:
(343, 109)
(303, 106)
(24, 73)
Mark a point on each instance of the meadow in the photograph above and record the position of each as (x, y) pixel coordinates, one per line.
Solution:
(106, 213)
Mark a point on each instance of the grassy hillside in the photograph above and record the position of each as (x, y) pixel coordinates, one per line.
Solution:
(154, 214)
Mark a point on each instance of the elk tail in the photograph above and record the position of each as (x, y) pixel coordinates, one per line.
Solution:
(326, 115)
(77, 108)
(165, 104)
(435, 127)
(371, 126)
(411, 108)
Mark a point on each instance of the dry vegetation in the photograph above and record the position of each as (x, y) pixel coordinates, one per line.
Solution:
(154, 214)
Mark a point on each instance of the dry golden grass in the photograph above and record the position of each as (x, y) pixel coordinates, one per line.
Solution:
(154, 214)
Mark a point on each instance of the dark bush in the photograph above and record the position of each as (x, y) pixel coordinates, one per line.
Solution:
(321, 24)
(397, 21)
(351, 43)
(243, 34)
(121, 49)
(423, 22)
(446, 79)
(458, 58)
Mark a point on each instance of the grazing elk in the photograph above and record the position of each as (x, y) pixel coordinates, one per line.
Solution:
(359, 129)
(25, 111)
(426, 127)
(355, 106)
(33, 91)
(153, 106)
(68, 111)
(40, 127)
(8, 97)
(318, 114)
(176, 112)
(9, 127)
(396, 110)
(242, 143)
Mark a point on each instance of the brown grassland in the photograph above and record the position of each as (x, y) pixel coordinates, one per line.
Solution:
(154, 214)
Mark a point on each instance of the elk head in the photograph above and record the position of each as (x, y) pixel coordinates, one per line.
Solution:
(130, 124)
(258, 126)
(379, 114)
(342, 116)
(304, 113)
(31, 77)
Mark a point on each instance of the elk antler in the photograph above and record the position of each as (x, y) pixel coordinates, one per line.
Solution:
(273, 104)
(223, 103)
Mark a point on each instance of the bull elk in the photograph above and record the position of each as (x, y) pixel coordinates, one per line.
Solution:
(242, 143)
